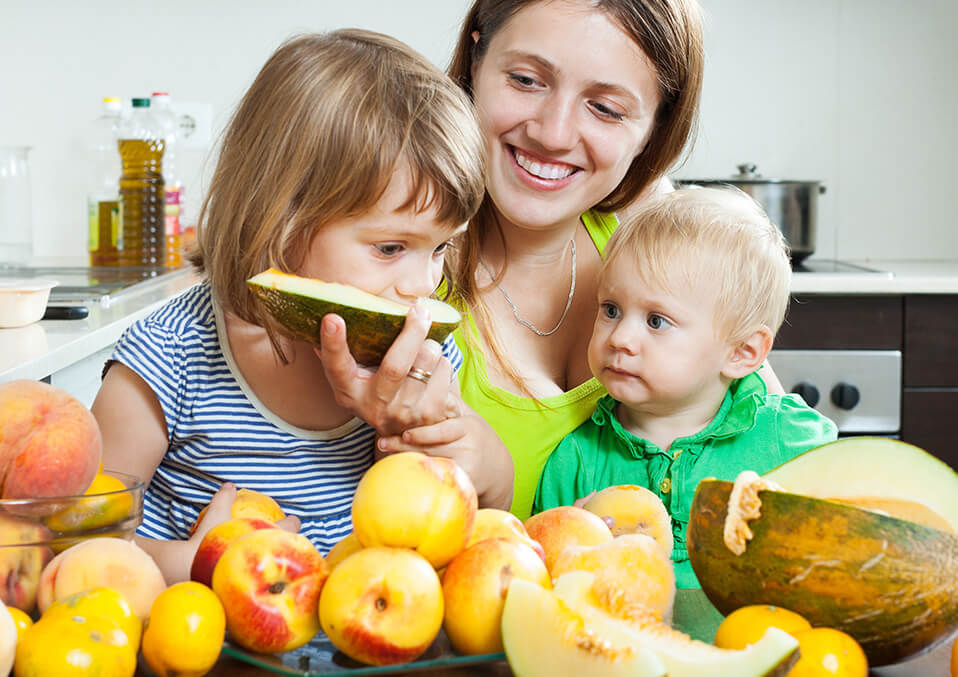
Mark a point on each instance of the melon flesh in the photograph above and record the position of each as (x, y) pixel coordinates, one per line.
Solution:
(542, 637)
(772, 656)
(876, 473)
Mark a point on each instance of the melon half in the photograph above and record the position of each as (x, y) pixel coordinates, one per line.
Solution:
(298, 304)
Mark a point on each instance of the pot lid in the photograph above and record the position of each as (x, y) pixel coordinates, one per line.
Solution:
(747, 174)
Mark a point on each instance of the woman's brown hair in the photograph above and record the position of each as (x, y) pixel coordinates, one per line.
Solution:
(317, 137)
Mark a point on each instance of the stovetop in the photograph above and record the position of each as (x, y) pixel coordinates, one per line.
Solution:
(833, 266)
(82, 283)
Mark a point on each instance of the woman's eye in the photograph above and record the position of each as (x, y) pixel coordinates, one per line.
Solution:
(609, 311)
(658, 322)
(607, 112)
(522, 80)
(389, 249)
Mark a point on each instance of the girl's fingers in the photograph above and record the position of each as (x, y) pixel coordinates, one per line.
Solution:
(338, 362)
(402, 354)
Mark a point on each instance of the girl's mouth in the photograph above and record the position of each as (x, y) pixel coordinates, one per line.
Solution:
(551, 174)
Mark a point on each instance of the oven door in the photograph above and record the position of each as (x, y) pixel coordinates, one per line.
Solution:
(860, 390)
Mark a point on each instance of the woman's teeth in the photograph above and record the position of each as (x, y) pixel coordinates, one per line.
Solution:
(543, 170)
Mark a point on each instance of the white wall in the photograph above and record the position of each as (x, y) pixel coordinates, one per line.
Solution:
(861, 94)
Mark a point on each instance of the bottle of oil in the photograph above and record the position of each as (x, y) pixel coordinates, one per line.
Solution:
(103, 210)
(142, 239)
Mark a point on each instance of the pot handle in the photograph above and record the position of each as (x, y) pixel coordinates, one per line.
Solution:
(821, 188)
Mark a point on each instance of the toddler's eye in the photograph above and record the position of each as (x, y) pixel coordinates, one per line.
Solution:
(658, 322)
(609, 310)
(389, 248)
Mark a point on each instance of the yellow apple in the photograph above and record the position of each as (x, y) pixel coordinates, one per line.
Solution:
(558, 528)
(474, 587)
(342, 550)
(382, 606)
(269, 583)
(411, 500)
(495, 523)
(251, 504)
(22, 565)
(634, 510)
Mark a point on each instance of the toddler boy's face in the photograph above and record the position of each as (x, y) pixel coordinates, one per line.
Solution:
(384, 251)
(656, 349)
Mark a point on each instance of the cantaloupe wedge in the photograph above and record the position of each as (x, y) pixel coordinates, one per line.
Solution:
(773, 655)
(876, 473)
(544, 638)
(372, 322)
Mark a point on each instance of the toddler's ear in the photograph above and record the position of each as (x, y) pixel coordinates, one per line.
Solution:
(749, 354)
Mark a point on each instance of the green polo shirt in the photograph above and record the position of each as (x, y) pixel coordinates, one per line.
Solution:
(751, 431)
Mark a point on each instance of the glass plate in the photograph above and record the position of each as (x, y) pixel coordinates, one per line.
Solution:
(693, 614)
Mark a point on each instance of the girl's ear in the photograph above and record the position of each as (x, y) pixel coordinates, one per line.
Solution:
(749, 354)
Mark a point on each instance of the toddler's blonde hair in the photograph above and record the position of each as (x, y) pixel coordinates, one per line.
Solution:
(719, 237)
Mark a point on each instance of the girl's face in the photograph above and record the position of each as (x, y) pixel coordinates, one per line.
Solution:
(656, 350)
(566, 100)
(390, 253)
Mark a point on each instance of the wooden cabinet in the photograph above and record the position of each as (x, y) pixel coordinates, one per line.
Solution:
(930, 388)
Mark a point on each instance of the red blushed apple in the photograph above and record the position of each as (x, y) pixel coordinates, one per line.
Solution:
(216, 541)
(269, 582)
(558, 528)
(495, 523)
(382, 606)
(474, 587)
(21, 565)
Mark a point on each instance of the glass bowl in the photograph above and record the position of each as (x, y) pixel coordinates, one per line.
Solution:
(33, 530)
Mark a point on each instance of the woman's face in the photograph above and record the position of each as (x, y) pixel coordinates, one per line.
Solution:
(566, 100)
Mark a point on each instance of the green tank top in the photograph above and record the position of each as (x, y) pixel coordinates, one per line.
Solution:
(529, 429)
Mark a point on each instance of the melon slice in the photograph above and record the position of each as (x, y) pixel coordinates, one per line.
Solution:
(372, 322)
(773, 655)
(876, 473)
(542, 637)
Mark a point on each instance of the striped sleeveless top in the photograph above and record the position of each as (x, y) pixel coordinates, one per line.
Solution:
(219, 431)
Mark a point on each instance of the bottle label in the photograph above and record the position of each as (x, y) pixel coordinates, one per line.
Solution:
(171, 211)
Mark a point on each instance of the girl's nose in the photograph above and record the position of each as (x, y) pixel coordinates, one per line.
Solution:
(418, 279)
(554, 126)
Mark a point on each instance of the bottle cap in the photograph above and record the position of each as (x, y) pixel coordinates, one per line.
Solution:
(161, 93)
(141, 102)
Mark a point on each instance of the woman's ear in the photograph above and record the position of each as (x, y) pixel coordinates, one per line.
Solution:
(749, 354)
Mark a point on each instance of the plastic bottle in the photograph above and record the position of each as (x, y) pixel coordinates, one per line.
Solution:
(162, 108)
(103, 210)
(142, 198)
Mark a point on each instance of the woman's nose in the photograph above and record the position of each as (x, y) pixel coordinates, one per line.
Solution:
(554, 125)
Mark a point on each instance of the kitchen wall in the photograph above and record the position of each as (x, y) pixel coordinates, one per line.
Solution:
(860, 94)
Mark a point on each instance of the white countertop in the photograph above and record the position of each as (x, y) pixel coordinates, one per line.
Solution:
(43, 348)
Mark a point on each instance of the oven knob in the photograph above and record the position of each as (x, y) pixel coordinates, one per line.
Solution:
(807, 392)
(845, 396)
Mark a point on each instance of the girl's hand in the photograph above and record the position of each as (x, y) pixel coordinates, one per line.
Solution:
(390, 398)
(220, 510)
(472, 443)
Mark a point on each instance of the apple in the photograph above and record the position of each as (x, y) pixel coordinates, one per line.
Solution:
(558, 528)
(22, 565)
(269, 582)
(474, 587)
(346, 547)
(382, 606)
(411, 500)
(216, 541)
(248, 503)
(495, 523)
(634, 510)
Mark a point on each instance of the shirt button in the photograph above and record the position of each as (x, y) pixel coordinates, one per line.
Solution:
(677, 453)
(666, 486)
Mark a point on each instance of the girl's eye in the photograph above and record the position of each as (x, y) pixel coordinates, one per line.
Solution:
(389, 248)
(609, 311)
(658, 322)
(606, 112)
(441, 249)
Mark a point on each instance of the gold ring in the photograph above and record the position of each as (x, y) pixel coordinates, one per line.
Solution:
(420, 375)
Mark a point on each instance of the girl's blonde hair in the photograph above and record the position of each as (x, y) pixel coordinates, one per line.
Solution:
(719, 237)
(317, 137)
(669, 32)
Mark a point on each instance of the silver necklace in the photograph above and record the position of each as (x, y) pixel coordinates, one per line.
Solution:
(515, 311)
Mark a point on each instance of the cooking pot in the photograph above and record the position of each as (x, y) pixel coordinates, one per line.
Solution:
(791, 205)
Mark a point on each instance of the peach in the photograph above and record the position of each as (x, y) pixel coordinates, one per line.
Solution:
(495, 523)
(634, 566)
(411, 500)
(50, 444)
(474, 587)
(634, 510)
(215, 542)
(21, 566)
(382, 606)
(249, 503)
(104, 561)
(563, 526)
(342, 550)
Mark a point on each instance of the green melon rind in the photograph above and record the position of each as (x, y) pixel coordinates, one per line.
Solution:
(372, 323)
(543, 638)
(872, 466)
(773, 655)
(889, 583)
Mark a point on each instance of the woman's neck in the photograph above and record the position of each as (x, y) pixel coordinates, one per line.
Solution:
(527, 248)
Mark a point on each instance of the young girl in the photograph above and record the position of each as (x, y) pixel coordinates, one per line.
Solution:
(350, 159)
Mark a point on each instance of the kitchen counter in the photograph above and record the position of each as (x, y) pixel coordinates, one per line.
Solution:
(892, 277)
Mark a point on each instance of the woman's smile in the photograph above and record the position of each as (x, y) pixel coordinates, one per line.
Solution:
(540, 172)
